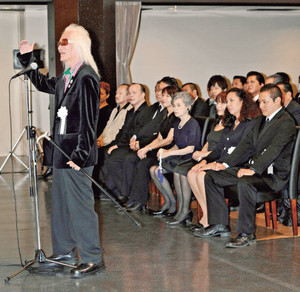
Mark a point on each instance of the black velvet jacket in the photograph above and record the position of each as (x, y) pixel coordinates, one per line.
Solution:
(82, 102)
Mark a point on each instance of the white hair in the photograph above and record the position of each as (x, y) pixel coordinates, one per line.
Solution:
(82, 42)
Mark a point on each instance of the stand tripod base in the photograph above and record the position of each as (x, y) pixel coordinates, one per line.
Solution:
(39, 266)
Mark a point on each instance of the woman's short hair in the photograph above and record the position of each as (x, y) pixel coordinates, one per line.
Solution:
(105, 86)
(186, 98)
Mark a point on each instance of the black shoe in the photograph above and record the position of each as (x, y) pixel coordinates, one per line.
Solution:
(135, 208)
(122, 200)
(87, 269)
(242, 240)
(214, 230)
(186, 219)
(47, 173)
(129, 204)
(197, 227)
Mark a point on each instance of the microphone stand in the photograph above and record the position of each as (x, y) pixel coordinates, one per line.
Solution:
(92, 180)
(40, 256)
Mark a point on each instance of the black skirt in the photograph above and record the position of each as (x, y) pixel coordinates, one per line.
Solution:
(178, 164)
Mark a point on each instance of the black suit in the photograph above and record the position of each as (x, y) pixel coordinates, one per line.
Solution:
(73, 219)
(293, 108)
(199, 108)
(120, 164)
(265, 145)
(212, 108)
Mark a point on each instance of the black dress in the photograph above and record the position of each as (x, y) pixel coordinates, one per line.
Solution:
(104, 115)
(212, 138)
(188, 135)
(141, 177)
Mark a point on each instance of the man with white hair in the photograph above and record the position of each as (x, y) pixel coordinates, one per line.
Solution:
(74, 223)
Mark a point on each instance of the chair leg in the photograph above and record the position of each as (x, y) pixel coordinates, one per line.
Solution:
(274, 214)
(294, 216)
(199, 212)
(267, 214)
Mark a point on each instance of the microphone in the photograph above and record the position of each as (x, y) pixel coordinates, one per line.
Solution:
(29, 68)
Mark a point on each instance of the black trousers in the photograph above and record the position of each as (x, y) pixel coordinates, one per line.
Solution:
(139, 191)
(74, 222)
(120, 166)
(215, 181)
(97, 168)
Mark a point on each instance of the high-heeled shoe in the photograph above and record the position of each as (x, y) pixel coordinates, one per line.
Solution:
(186, 219)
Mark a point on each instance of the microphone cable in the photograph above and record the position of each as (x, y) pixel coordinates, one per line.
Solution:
(12, 176)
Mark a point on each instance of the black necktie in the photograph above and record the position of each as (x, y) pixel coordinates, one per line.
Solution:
(267, 120)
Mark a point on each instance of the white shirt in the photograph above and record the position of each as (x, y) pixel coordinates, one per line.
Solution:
(114, 124)
(270, 117)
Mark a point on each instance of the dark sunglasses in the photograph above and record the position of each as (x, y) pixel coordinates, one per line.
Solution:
(64, 42)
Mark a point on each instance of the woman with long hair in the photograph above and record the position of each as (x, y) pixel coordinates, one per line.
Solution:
(243, 110)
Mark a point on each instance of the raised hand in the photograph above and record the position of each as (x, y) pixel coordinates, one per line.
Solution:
(25, 47)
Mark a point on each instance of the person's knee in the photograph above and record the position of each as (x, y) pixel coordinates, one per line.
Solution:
(153, 171)
(244, 181)
(191, 176)
(201, 175)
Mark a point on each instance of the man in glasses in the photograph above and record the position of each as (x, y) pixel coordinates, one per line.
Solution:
(74, 223)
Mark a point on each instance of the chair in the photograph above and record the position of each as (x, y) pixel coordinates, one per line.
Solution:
(205, 124)
(293, 182)
(271, 197)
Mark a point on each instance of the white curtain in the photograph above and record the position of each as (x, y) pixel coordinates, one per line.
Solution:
(127, 25)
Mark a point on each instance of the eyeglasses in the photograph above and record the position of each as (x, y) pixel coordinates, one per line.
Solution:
(64, 42)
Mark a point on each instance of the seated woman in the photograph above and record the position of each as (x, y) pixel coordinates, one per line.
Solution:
(216, 132)
(243, 110)
(140, 184)
(187, 135)
(223, 120)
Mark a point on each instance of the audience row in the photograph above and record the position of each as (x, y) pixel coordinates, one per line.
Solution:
(249, 145)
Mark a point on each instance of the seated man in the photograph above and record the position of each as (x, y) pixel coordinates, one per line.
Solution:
(215, 85)
(136, 118)
(261, 161)
(274, 79)
(117, 117)
(239, 82)
(291, 106)
(255, 81)
(113, 126)
(199, 108)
